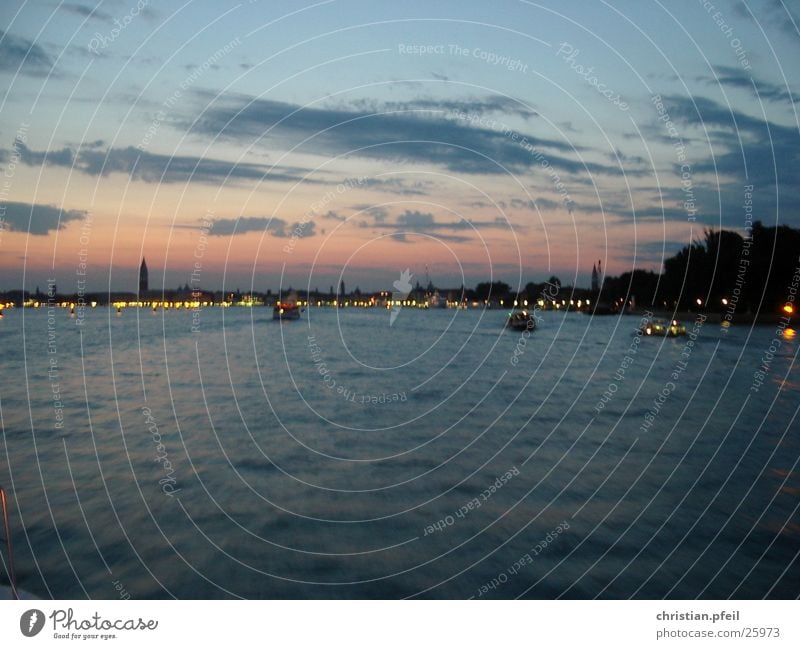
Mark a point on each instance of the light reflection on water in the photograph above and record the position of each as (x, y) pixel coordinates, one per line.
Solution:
(328, 457)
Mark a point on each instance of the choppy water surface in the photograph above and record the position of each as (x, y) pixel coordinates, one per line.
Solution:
(341, 457)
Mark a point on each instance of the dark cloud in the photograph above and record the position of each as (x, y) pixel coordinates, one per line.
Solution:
(333, 215)
(409, 237)
(417, 222)
(377, 213)
(472, 106)
(35, 218)
(397, 186)
(86, 11)
(739, 78)
(671, 210)
(157, 168)
(454, 144)
(271, 225)
(748, 151)
(486, 204)
(522, 204)
(545, 203)
(21, 56)
(635, 161)
(753, 142)
(58, 158)
(779, 13)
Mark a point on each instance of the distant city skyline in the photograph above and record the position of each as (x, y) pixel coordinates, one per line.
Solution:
(349, 141)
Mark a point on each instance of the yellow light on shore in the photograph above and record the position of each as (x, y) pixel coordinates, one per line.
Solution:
(788, 308)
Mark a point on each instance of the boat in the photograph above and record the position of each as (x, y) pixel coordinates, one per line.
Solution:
(432, 298)
(658, 327)
(286, 311)
(521, 321)
(435, 301)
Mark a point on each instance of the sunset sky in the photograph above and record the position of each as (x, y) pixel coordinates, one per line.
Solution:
(351, 139)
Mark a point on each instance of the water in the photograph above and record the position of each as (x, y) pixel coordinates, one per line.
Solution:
(411, 460)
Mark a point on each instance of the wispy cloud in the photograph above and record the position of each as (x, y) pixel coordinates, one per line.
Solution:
(19, 55)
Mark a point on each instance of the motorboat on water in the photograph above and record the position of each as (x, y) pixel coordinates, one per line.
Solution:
(659, 327)
(521, 321)
(286, 307)
(435, 301)
(286, 311)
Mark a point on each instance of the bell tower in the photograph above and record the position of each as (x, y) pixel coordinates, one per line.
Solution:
(143, 277)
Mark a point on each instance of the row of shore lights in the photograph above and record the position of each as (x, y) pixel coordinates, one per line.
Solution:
(787, 308)
(195, 304)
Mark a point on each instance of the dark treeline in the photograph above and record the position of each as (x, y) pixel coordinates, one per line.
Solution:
(724, 270)
(751, 274)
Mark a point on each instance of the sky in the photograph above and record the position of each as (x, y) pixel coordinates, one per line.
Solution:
(258, 145)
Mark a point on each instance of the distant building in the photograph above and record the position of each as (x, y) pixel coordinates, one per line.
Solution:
(144, 282)
(597, 276)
